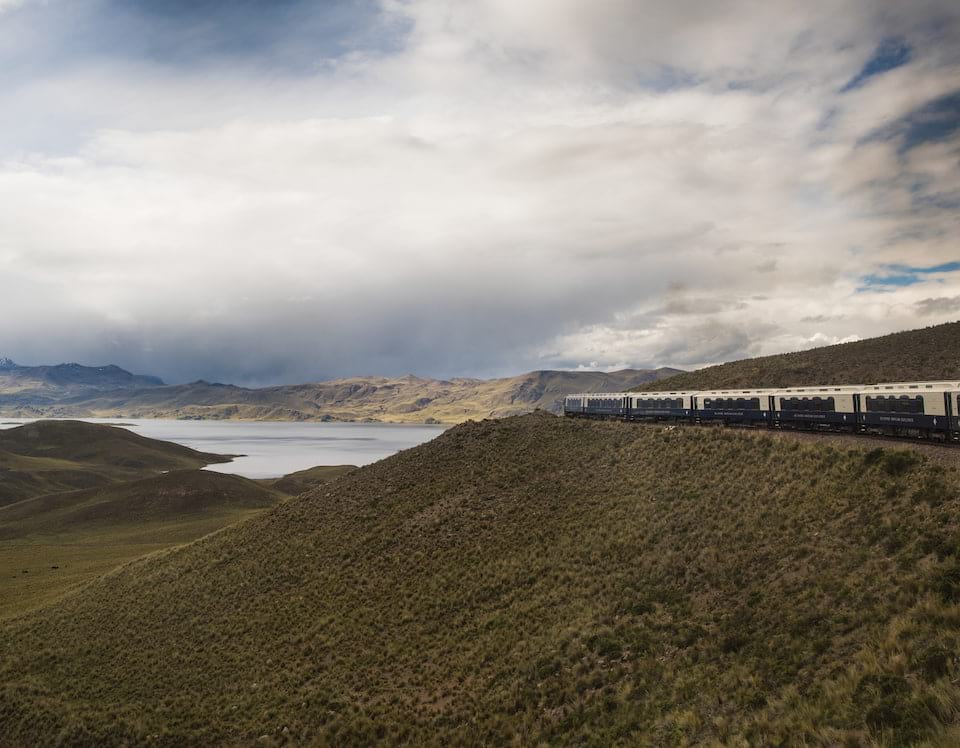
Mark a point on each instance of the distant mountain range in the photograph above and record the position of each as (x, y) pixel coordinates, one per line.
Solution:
(71, 390)
(45, 385)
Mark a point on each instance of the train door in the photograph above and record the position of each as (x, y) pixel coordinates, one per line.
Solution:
(948, 406)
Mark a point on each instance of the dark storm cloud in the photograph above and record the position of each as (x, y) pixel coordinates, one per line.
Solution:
(433, 327)
(939, 305)
(713, 341)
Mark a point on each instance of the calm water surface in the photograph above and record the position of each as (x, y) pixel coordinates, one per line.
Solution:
(272, 448)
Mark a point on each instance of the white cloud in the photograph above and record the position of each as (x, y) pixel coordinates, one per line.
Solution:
(517, 185)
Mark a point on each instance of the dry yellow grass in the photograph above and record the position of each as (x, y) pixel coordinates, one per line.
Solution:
(532, 581)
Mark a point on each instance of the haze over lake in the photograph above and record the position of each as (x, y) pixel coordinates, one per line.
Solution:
(272, 448)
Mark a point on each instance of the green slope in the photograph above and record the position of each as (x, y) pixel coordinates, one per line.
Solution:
(532, 580)
(172, 496)
(929, 354)
(22, 476)
(296, 483)
(52, 456)
(51, 544)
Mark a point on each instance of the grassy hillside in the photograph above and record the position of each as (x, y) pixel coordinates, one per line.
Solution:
(399, 400)
(51, 456)
(932, 353)
(179, 495)
(532, 580)
(51, 544)
(296, 483)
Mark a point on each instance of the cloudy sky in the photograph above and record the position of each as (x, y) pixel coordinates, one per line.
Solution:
(279, 190)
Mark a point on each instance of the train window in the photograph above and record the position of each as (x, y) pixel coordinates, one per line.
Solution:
(895, 404)
(808, 404)
(659, 403)
(604, 402)
(738, 403)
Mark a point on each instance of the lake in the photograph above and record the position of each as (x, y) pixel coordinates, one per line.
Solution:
(273, 448)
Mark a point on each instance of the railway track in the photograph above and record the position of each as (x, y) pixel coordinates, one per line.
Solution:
(941, 440)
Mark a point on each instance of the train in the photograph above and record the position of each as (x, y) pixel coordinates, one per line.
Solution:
(902, 409)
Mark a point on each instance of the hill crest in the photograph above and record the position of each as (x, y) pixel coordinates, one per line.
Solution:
(925, 354)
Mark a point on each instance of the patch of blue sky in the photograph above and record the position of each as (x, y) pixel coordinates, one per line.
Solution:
(891, 53)
(935, 120)
(935, 201)
(938, 119)
(294, 36)
(296, 31)
(898, 276)
(669, 78)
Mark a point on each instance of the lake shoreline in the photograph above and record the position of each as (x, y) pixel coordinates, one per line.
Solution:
(272, 449)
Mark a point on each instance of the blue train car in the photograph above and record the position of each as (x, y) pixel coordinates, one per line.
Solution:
(733, 406)
(816, 407)
(909, 407)
(597, 405)
(924, 409)
(661, 406)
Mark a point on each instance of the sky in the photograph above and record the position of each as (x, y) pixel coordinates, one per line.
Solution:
(276, 191)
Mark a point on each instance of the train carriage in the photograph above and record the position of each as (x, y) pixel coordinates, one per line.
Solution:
(909, 407)
(816, 407)
(733, 406)
(597, 404)
(661, 406)
(573, 405)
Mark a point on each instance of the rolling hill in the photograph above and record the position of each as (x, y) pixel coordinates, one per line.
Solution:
(928, 354)
(177, 496)
(78, 499)
(533, 580)
(399, 400)
(52, 456)
(293, 484)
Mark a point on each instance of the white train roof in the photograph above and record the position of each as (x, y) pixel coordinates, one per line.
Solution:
(806, 390)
